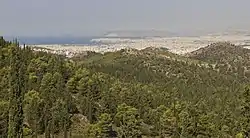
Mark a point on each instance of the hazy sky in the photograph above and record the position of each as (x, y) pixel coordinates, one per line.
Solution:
(90, 17)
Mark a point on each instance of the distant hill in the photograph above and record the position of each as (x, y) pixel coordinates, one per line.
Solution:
(139, 33)
(226, 58)
(156, 66)
(220, 52)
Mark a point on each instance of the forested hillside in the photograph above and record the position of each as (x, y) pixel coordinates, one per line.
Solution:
(124, 94)
(226, 58)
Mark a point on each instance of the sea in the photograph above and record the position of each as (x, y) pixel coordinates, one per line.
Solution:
(63, 40)
(52, 40)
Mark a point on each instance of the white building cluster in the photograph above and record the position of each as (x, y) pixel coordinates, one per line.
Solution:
(178, 45)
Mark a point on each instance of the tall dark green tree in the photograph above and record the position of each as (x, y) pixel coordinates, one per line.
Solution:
(49, 98)
(32, 110)
(17, 90)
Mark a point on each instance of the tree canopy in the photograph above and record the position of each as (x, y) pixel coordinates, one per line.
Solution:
(125, 94)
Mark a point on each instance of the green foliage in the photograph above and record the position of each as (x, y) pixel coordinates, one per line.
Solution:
(245, 110)
(17, 82)
(105, 124)
(226, 58)
(239, 135)
(32, 110)
(27, 131)
(4, 106)
(127, 121)
(128, 93)
(102, 128)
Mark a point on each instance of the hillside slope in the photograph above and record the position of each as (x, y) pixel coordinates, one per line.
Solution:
(221, 52)
(161, 68)
(226, 58)
(129, 93)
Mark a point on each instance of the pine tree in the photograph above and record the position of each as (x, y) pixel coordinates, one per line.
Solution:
(31, 109)
(128, 122)
(17, 89)
(102, 129)
(46, 94)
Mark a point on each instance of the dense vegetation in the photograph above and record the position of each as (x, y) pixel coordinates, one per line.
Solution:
(124, 94)
(226, 58)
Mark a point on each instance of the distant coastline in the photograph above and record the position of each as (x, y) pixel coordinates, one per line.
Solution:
(177, 45)
(63, 40)
(132, 35)
(53, 40)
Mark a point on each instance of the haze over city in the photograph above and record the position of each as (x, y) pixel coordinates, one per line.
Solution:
(95, 17)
